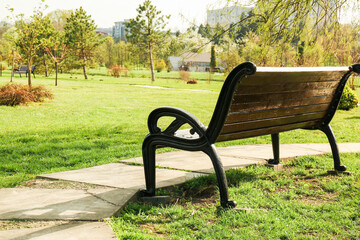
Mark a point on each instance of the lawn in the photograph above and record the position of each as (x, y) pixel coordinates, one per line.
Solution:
(301, 202)
(103, 119)
(88, 123)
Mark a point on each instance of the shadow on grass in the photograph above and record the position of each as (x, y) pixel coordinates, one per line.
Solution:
(353, 118)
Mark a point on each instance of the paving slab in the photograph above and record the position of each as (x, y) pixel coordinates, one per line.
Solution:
(198, 161)
(265, 152)
(241, 156)
(122, 176)
(69, 231)
(62, 204)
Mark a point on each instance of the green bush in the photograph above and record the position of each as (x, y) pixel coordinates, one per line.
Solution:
(348, 99)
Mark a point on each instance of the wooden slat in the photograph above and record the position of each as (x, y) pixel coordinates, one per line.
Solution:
(285, 87)
(266, 97)
(302, 69)
(270, 122)
(235, 117)
(267, 105)
(265, 131)
(265, 78)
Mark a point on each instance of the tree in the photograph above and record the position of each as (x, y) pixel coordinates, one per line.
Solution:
(81, 37)
(47, 31)
(58, 18)
(28, 40)
(147, 29)
(56, 53)
(213, 58)
(283, 20)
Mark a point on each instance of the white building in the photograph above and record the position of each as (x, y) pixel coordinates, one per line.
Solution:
(119, 30)
(225, 16)
(195, 62)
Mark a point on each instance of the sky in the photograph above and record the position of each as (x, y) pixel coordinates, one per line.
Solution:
(106, 12)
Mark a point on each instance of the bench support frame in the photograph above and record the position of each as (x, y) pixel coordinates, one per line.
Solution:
(156, 137)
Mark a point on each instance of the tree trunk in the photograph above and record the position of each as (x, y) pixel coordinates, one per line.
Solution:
(13, 63)
(84, 69)
(46, 66)
(29, 73)
(151, 63)
(56, 73)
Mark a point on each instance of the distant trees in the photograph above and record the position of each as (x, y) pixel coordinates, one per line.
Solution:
(81, 38)
(273, 33)
(147, 29)
(58, 18)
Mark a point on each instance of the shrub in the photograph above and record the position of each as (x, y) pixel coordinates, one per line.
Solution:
(3, 66)
(348, 99)
(192, 81)
(19, 94)
(39, 93)
(184, 75)
(116, 70)
(160, 65)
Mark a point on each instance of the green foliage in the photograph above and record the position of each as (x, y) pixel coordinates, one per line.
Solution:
(230, 60)
(348, 99)
(81, 38)
(105, 53)
(58, 18)
(19, 94)
(146, 30)
(30, 37)
(47, 33)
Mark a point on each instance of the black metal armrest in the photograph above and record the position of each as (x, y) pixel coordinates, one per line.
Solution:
(181, 117)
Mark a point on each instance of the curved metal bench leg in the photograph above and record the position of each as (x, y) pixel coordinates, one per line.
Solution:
(334, 148)
(276, 148)
(221, 177)
(148, 151)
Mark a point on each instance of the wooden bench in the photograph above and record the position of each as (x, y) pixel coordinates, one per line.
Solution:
(253, 102)
(24, 69)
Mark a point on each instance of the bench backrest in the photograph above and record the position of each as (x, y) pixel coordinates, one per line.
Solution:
(260, 101)
(33, 68)
(23, 68)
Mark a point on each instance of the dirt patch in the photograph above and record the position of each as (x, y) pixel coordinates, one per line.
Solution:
(153, 231)
(318, 200)
(200, 197)
(58, 184)
(13, 225)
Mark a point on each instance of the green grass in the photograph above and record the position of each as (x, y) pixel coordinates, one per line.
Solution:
(301, 202)
(103, 119)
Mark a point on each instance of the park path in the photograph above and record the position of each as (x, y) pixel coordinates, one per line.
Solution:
(97, 193)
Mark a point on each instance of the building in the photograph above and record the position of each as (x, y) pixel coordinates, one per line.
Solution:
(119, 30)
(199, 62)
(226, 16)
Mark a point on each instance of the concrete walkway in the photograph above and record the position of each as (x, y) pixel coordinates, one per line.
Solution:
(110, 187)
